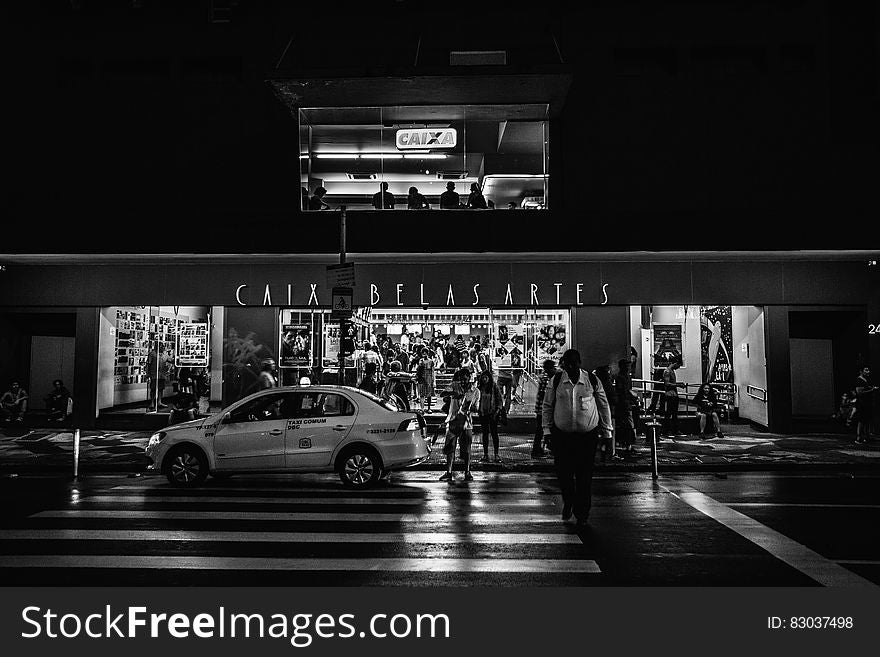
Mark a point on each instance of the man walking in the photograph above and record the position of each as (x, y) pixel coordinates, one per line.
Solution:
(549, 369)
(575, 414)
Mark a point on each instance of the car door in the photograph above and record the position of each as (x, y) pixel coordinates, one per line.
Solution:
(319, 422)
(252, 436)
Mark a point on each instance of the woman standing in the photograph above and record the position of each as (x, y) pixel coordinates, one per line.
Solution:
(491, 403)
(459, 424)
(425, 380)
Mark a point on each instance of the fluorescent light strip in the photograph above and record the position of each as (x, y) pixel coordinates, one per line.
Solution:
(337, 156)
(426, 156)
(381, 156)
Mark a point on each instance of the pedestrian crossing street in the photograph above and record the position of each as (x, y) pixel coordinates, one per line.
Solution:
(502, 528)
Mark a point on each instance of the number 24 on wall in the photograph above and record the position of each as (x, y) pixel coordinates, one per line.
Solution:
(873, 329)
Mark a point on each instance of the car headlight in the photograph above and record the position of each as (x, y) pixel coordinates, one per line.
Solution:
(156, 438)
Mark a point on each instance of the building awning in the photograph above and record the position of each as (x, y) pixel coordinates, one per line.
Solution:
(477, 89)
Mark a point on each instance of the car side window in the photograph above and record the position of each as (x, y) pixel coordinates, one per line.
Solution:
(333, 405)
(267, 407)
(315, 404)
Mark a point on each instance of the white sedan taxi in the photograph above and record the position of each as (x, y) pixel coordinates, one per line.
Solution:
(294, 429)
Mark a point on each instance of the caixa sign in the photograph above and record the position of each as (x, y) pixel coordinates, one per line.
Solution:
(426, 138)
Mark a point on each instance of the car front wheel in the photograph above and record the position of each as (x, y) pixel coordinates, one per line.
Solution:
(187, 466)
(360, 468)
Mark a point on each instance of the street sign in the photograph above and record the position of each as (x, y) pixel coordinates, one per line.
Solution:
(342, 300)
(340, 275)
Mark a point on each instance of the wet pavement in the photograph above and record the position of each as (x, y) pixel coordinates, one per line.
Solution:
(51, 450)
(502, 529)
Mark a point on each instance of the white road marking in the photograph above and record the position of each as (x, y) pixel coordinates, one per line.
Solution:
(379, 501)
(787, 550)
(479, 517)
(542, 566)
(805, 505)
(287, 537)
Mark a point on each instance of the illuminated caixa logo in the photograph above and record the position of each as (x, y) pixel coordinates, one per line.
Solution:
(411, 138)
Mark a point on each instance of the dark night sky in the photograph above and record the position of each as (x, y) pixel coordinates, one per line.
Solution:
(704, 125)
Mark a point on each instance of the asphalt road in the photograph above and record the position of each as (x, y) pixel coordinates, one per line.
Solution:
(503, 529)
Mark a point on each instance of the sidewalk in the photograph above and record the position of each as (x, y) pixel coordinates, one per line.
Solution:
(24, 450)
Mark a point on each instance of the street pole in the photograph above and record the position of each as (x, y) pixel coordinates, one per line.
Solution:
(76, 439)
(342, 231)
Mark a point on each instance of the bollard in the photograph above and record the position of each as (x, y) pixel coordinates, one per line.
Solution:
(76, 454)
(653, 425)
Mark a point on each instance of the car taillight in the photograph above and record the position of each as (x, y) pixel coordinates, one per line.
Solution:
(409, 425)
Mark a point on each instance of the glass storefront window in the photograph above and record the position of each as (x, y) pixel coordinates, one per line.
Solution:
(719, 345)
(150, 356)
(383, 158)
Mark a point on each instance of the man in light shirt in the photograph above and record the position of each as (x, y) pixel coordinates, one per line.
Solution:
(576, 415)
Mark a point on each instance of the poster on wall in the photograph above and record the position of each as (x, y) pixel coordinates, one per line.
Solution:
(332, 343)
(716, 344)
(509, 345)
(296, 345)
(667, 345)
(551, 340)
(192, 345)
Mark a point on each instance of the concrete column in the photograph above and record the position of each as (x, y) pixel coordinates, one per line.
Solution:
(776, 336)
(85, 386)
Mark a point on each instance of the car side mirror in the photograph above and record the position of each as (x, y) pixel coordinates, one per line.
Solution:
(227, 418)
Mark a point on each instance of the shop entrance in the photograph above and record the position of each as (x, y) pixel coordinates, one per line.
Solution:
(516, 340)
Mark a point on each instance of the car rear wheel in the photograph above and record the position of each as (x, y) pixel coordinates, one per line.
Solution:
(360, 467)
(187, 466)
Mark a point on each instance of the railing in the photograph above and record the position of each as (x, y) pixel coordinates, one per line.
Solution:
(726, 393)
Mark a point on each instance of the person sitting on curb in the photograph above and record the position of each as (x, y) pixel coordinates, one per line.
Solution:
(706, 402)
(13, 403)
(57, 400)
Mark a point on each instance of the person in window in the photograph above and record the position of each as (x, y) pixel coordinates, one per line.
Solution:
(383, 199)
(475, 198)
(450, 200)
(56, 401)
(706, 401)
(317, 201)
(416, 201)
(13, 403)
(267, 378)
(511, 205)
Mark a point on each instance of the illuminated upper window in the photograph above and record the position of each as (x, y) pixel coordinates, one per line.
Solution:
(424, 157)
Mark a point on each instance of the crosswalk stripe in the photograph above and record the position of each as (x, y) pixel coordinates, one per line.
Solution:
(435, 565)
(452, 538)
(379, 501)
(411, 490)
(480, 517)
(803, 505)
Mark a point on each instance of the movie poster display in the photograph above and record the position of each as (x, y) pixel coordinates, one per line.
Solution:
(551, 341)
(509, 345)
(192, 345)
(667, 345)
(716, 344)
(296, 345)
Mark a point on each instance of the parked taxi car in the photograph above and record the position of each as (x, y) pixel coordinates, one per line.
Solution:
(294, 429)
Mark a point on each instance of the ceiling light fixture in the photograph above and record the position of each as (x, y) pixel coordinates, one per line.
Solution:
(337, 156)
(426, 156)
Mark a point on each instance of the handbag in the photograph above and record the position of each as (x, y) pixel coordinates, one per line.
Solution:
(457, 424)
